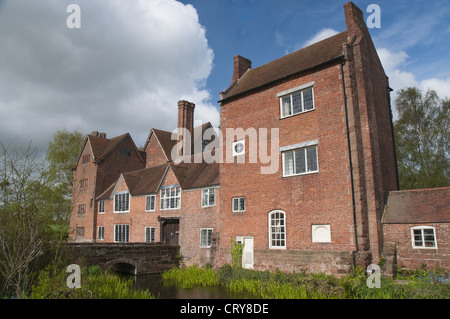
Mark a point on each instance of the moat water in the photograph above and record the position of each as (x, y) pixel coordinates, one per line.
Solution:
(155, 284)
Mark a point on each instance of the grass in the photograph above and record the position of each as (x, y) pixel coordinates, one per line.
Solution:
(95, 284)
(279, 285)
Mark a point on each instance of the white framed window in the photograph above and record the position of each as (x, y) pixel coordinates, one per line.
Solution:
(122, 233)
(321, 233)
(208, 197)
(149, 234)
(101, 232)
(277, 229)
(297, 100)
(300, 161)
(122, 202)
(205, 237)
(170, 197)
(150, 203)
(238, 204)
(423, 237)
(238, 147)
(101, 207)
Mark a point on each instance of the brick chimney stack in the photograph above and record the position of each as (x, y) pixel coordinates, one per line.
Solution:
(354, 18)
(185, 121)
(241, 65)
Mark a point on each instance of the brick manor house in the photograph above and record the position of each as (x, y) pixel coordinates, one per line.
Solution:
(332, 201)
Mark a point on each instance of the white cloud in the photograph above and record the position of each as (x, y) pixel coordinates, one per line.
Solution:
(321, 35)
(123, 71)
(395, 63)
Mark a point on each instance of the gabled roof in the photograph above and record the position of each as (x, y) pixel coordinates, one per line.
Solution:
(101, 146)
(167, 143)
(418, 206)
(139, 182)
(304, 59)
(196, 175)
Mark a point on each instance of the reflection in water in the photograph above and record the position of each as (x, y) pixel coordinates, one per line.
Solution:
(155, 284)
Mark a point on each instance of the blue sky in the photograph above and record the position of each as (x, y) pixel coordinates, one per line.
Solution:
(130, 61)
(265, 30)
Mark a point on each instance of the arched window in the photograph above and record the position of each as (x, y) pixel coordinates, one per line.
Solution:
(277, 229)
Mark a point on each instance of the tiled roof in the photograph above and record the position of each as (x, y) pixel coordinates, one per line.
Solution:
(288, 65)
(418, 206)
(196, 175)
(140, 182)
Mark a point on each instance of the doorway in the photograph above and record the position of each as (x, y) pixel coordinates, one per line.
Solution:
(170, 230)
(247, 252)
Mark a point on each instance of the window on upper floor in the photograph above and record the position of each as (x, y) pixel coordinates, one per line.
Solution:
(423, 237)
(208, 197)
(150, 203)
(299, 161)
(101, 207)
(83, 183)
(297, 100)
(238, 204)
(85, 159)
(122, 202)
(170, 197)
(81, 209)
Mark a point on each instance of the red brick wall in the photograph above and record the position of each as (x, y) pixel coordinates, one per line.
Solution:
(412, 258)
(100, 176)
(319, 198)
(192, 218)
(155, 155)
(84, 196)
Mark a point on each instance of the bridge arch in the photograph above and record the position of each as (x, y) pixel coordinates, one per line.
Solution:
(123, 265)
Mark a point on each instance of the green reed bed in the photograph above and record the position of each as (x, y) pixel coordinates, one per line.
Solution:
(95, 284)
(279, 285)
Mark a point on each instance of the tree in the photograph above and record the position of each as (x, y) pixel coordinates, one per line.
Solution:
(422, 139)
(34, 209)
(62, 155)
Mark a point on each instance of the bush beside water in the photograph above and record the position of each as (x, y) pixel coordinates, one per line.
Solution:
(95, 284)
(279, 285)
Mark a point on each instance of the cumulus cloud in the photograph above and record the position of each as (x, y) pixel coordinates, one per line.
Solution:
(123, 71)
(395, 65)
(321, 35)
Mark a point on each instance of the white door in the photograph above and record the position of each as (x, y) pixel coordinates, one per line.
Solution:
(247, 253)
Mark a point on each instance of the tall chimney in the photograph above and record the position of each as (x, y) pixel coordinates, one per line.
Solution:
(185, 121)
(354, 18)
(241, 65)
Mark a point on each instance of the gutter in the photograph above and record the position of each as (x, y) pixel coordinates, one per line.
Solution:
(351, 166)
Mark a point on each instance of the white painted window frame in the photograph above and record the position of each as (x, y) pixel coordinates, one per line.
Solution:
(169, 197)
(239, 198)
(421, 228)
(293, 148)
(269, 219)
(208, 190)
(207, 230)
(290, 93)
(148, 198)
(129, 202)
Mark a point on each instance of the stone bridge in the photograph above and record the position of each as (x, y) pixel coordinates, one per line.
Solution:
(133, 258)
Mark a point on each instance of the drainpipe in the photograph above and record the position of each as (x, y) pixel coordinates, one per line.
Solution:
(351, 166)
